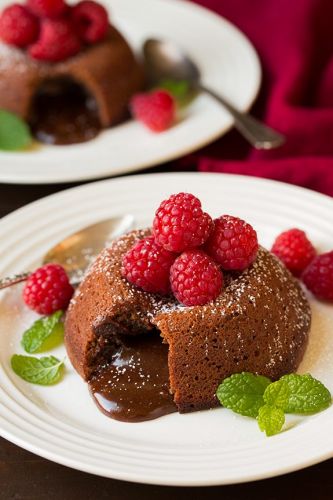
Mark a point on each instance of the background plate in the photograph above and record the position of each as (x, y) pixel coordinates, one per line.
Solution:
(62, 423)
(229, 65)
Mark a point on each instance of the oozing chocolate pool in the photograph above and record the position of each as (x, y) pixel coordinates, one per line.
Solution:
(63, 113)
(134, 386)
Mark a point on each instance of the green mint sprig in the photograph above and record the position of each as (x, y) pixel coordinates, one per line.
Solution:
(243, 393)
(255, 396)
(300, 394)
(179, 89)
(270, 419)
(34, 339)
(42, 371)
(14, 132)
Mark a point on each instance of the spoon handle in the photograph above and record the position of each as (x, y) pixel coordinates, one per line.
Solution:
(13, 280)
(259, 135)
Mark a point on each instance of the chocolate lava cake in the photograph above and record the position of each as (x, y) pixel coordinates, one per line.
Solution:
(259, 323)
(70, 101)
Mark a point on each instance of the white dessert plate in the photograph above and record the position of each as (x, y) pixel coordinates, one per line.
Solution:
(229, 65)
(61, 422)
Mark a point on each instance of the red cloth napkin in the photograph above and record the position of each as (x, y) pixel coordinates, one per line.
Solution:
(294, 39)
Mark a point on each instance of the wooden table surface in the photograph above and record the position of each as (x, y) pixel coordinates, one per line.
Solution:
(29, 477)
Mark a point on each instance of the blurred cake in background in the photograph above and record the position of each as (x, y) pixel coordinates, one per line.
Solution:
(65, 69)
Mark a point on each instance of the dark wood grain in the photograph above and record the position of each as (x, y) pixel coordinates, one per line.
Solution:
(29, 477)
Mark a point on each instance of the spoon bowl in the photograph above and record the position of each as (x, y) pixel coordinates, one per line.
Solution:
(76, 251)
(164, 60)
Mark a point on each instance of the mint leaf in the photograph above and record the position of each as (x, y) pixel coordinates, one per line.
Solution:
(307, 394)
(14, 132)
(277, 394)
(178, 88)
(42, 371)
(34, 338)
(243, 393)
(270, 419)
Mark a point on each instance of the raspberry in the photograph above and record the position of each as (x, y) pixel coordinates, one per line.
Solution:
(57, 41)
(294, 249)
(180, 223)
(233, 243)
(318, 276)
(195, 278)
(147, 265)
(47, 8)
(157, 110)
(18, 26)
(47, 289)
(90, 20)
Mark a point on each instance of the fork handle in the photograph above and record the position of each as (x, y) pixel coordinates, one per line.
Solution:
(13, 280)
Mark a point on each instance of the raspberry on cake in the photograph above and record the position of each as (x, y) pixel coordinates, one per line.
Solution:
(57, 41)
(18, 26)
(147, 265)
(233, 243)
(195, 278)
(48, 8)
(180, 223)
(91, 21)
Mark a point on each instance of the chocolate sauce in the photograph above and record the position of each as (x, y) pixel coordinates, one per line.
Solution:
(63, 113)
(134, 386)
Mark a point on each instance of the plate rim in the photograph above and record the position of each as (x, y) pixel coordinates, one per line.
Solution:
(320, 456)
(40, 180)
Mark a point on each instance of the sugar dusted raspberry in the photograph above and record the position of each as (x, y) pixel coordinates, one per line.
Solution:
(48, 8)
(180, 223)
(157, 110)
(18, 26)
(233, 243)
(294, 249)
(47, 289)
(195, 278)
(90, 20)
(318, 276)
(147, 265)
(57, 41)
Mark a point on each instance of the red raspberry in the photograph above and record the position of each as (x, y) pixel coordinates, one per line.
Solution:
(91, 21)
(180, 223)
(157, 110)
(18, 26)
(147, 265)
(47, 289)
(294, 249)
(57, 41)
(318, 276)
(195, 278)
(233, 243)
(48, 8)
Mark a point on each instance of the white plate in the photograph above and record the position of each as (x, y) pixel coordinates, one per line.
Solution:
(62, 423)
(229, 65)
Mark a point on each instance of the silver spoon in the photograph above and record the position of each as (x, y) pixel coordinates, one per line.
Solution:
(76, 252)
(165, 60)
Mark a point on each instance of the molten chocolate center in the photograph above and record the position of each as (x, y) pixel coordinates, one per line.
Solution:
(63, 113)
(134, 386)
